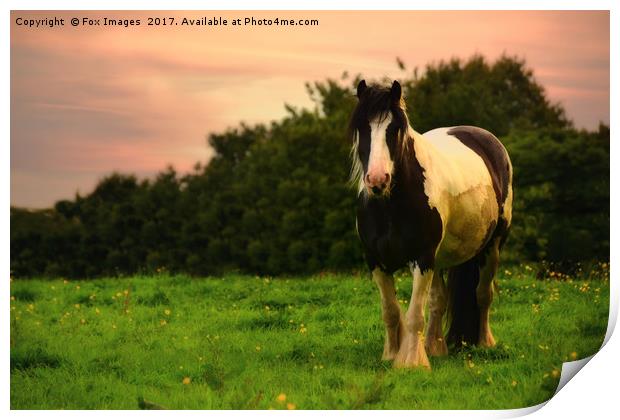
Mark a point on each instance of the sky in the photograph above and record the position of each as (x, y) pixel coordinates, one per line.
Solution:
(90, 100)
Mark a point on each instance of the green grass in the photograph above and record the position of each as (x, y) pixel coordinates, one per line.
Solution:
(242, 341)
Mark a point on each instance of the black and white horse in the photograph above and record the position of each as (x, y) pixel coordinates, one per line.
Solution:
(436, 202)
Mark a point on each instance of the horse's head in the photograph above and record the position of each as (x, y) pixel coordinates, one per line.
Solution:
(378, 127)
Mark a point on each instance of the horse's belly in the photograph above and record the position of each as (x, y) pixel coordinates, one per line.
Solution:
(470, 219)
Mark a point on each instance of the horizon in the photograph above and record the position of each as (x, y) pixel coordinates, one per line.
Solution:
(137, 100)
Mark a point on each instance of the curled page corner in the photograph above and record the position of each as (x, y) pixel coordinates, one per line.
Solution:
(569, 370)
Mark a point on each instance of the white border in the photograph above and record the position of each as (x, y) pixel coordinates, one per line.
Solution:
(593, 393)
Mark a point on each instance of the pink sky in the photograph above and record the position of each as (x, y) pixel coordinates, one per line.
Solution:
(88, 101)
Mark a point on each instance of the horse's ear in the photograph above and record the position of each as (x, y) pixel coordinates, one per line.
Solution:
(361, 87)
(396, 92)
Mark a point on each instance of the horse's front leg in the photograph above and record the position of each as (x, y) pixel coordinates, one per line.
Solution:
(412, 352)
(391, 313)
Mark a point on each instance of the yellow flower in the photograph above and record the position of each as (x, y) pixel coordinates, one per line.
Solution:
(281, 398)
(82, 321)
(291, 406)
(12, 297)
(555, 373)
(514, 383)
(162, 322)
(573, 355)
(257, 348)
(167, 311)
(187, 380)
(97, 311)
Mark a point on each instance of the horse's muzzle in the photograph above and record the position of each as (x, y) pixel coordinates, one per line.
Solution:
(378, 185)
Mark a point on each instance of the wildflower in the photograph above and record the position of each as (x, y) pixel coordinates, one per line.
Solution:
(555, 373)
(573, 355)
(125, 292)
(187, 380)
(167, 312)
(291, 406)
(77, 286)
(257, 348)
(514, 383)
(12, 297)
(65, 281)
(97, 311)
(77, 306)
(82, 321)
(281, 398)
(162, 322)
(114, 326)
(303, 330)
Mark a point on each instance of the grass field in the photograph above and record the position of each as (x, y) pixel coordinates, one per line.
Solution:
(244, 342)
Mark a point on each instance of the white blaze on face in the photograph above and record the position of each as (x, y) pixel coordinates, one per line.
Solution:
(379, 161)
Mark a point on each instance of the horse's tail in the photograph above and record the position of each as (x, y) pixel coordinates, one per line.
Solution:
(463, 312)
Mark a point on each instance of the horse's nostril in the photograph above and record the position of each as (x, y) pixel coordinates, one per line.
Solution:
(387, 178)
(377, 190)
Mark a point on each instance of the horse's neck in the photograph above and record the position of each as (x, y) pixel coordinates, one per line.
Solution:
(410, 173)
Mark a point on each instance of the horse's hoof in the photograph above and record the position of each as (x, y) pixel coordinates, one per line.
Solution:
(409, 364)
(486, 340)
(412, 358)
(436, 347)
(487, 343)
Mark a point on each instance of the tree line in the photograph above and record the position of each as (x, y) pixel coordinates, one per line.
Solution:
(276, 198)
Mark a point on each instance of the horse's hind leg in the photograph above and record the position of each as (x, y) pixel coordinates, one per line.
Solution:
(489, 262)
(435, 341)
(391, 313)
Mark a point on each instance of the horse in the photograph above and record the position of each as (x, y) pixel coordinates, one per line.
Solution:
(438, 202)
